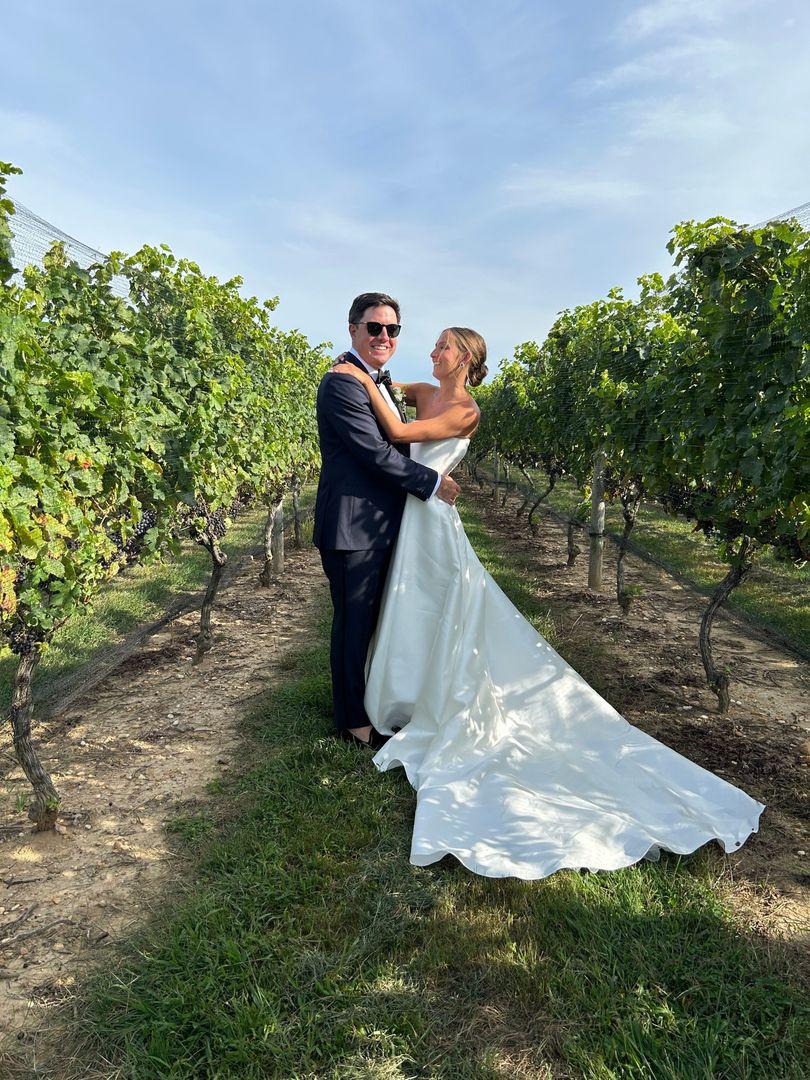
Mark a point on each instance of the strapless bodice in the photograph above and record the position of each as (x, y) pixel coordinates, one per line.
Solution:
(441, 455)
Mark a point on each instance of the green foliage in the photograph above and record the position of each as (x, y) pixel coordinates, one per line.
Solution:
(735, 391)
(698, 392)
(6, 210)
(125, 423)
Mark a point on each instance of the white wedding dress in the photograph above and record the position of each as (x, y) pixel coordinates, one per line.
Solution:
(520, 767)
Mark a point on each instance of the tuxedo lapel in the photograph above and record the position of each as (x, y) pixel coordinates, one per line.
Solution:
(404, 448)
(350, 358)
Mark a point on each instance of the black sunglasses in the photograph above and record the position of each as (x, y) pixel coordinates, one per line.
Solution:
(375, 328)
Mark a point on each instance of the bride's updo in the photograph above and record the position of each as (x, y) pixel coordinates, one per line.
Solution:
(471, 342)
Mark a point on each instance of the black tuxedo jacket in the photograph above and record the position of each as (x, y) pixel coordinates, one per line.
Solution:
(364, 478)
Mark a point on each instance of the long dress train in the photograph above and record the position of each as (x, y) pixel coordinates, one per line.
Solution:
(520, 767)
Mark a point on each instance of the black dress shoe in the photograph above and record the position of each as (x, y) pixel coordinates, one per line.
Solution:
(374, 742)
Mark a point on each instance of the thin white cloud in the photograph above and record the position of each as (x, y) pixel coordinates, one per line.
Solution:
(542, 187)
(672, 15)
(332, 229)
(27, 133)
(705, 58)
(679, 120)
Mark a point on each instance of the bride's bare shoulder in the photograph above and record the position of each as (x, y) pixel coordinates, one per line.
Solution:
(472, 412)
(469, 406)
(460, 416)
(416, 392)
(421, 388)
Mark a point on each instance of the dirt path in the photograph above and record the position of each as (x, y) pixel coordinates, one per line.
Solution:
(141, 746)
(648, 666)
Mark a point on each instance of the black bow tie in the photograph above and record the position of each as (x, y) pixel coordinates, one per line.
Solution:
(384, 379)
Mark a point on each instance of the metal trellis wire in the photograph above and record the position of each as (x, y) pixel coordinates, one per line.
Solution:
(33, 236)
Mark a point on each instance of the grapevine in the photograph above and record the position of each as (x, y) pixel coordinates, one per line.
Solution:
(125, 426)
(697, 395)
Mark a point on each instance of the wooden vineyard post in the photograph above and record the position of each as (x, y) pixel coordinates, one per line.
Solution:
(277, 539)
(505, 495)
(496, 474)
(597, 529)
(296, 509)
(273, 544)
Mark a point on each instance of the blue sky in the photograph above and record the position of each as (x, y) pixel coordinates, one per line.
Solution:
(487, 163)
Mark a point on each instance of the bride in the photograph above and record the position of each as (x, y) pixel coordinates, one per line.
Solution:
(520, 767)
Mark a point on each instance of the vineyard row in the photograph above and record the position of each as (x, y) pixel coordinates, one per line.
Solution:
(695, 396)
(126, 426)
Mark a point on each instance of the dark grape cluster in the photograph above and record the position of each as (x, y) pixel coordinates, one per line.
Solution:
(129, 550)
(132, 548)
(23, 640)
(215, 526)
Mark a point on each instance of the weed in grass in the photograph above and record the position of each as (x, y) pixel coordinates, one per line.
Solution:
(191, 829)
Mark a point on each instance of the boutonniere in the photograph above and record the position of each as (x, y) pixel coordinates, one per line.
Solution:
(399, 400)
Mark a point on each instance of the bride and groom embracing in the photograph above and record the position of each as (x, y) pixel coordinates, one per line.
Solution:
(520, 767)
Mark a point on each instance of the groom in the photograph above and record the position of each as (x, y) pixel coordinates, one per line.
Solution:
(361, 495)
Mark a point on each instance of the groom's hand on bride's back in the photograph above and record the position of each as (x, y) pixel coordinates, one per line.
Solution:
(448, 490)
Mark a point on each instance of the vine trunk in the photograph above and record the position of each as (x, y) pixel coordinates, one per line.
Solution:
(630, 501)
(719, 680)
(541, 498)
(218, 560)
(44, 810)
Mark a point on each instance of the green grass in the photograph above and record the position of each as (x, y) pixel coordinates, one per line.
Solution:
(307, 945)
(776, 593)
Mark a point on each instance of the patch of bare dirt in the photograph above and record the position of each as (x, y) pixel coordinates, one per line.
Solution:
(648, 666)
(138, 747)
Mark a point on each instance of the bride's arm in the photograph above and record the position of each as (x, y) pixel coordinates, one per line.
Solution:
(410, 390)
(391, 425)
(458, 420)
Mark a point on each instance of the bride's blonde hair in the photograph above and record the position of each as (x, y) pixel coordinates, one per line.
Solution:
(470, 341)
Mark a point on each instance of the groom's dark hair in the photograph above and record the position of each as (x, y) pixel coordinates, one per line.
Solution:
(366, 300)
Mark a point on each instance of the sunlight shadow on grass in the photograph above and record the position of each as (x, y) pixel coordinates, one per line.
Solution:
(309, 945)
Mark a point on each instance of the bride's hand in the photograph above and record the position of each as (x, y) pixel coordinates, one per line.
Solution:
(350, 369)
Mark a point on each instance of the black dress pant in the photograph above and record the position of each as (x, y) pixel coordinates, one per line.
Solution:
(356, 582)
